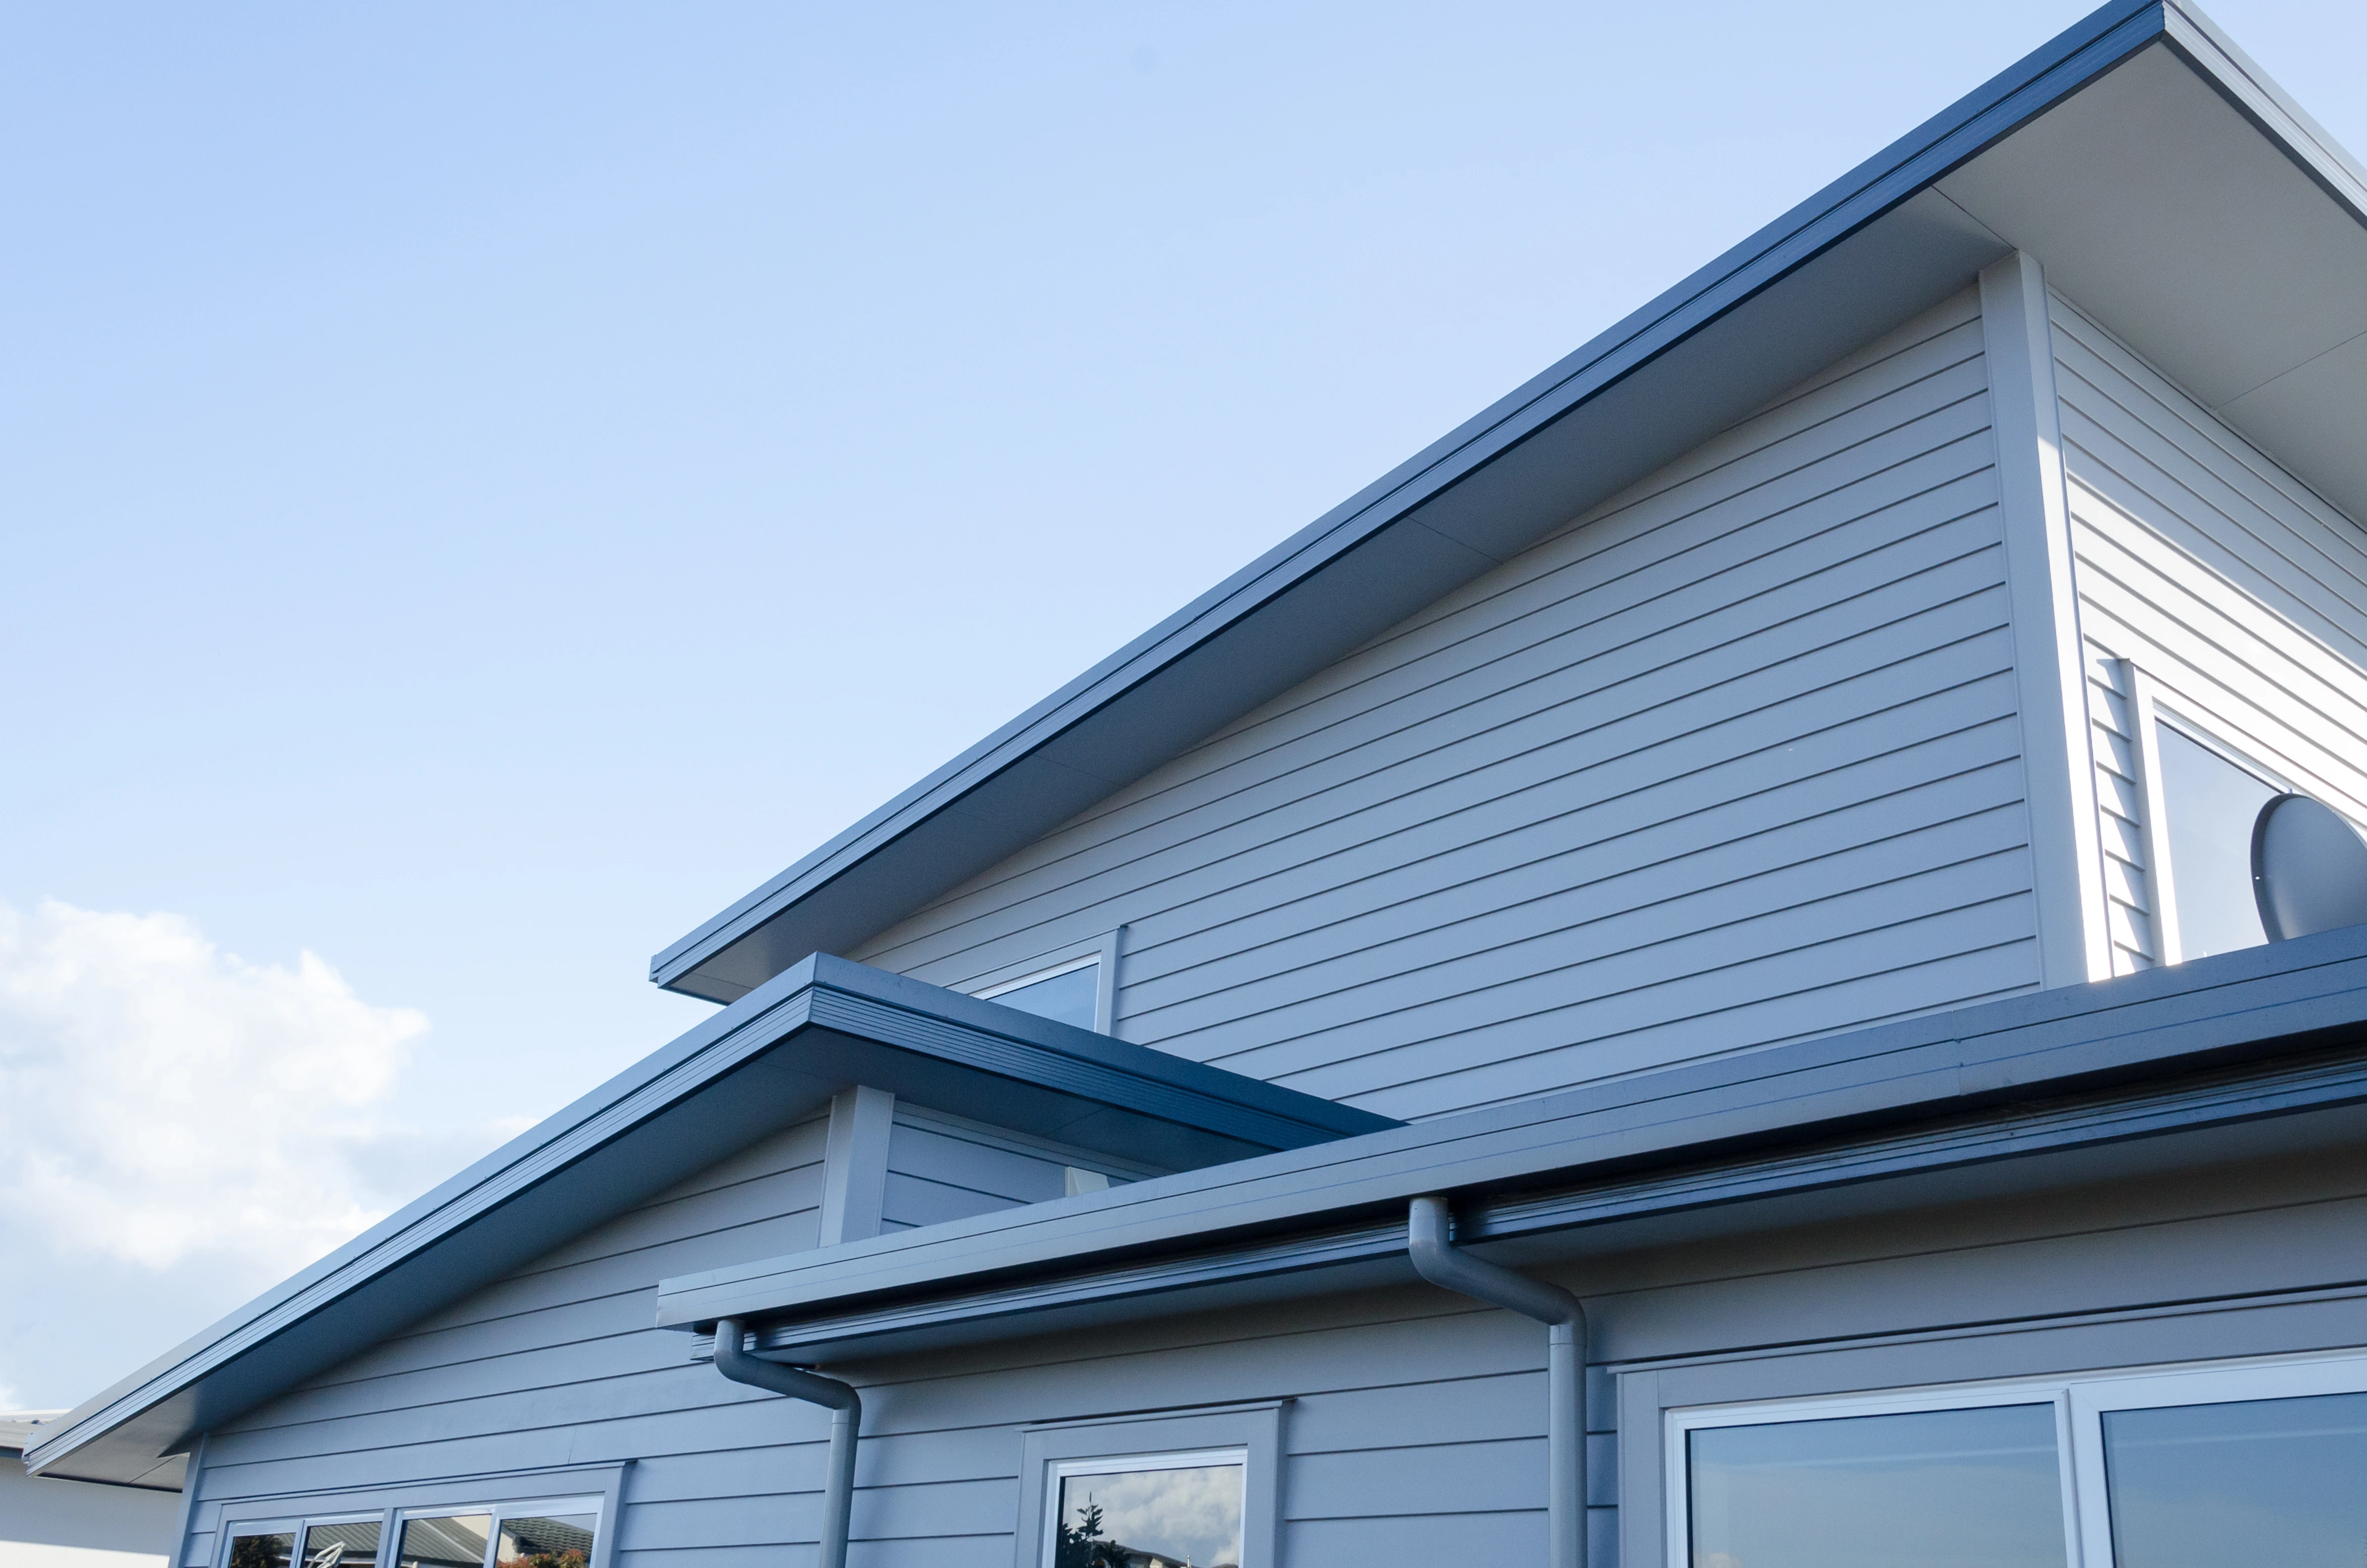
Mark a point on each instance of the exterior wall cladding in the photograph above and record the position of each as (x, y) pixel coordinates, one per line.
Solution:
(1731, 760)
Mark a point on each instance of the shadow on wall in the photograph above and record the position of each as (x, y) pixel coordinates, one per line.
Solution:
(73, 1524)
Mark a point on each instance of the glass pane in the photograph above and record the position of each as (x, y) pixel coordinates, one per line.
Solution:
(454, 1541)
(1152, 1518)
(2268, 1481)
(563, 1540)
(340, 1546)
(2211, 805)
(1065, 999)
(261, 1550)
(1935, 1489)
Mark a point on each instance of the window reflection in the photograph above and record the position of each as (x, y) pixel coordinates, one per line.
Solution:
(1931, 1489)
(1071, 998)
(558, 1542)
(1152, 1518)
(2268, 1481)
(262, 1551)
(453, 1540)
(2210, 804)
(350, 1545)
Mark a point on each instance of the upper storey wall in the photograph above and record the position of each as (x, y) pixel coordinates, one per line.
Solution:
(1730, 760)
(2206, 569)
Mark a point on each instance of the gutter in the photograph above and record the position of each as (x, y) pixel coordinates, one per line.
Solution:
(2162, 1052)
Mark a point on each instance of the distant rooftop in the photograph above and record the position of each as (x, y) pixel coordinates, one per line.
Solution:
(16, 1427)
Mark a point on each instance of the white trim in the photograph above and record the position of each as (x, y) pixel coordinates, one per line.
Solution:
(1248, 1434)
(391, 1519)
(2058, 746)
(1106, 950)
(2079, 1404)
(2161, 883)
(1038, 976)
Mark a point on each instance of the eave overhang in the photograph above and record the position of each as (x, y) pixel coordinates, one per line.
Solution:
(778, 1053)
(2187, 203)
(2231, 1041)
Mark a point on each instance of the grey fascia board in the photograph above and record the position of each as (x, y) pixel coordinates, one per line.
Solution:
(823, 991)
(2086, 51)
(2046, 1044)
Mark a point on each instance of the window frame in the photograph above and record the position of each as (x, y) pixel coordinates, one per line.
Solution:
(598, 1490)
(1248, 1434)
(2081, 1401)
(1103, 950)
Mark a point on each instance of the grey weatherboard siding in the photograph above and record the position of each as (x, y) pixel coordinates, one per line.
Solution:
(2236, 589)
(1732, 759)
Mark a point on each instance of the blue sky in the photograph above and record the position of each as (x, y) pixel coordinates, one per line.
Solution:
(485, 486)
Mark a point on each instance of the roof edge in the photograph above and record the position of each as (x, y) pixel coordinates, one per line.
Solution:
(2082, 52)
(825, 992)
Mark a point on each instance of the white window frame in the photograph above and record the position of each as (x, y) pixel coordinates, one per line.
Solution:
(1103, 950)
(1246, 1435)
(1060, 1471)
(2079, 1404)
(391, 1519)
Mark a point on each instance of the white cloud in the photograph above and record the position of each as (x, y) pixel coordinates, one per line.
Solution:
(162, 1100)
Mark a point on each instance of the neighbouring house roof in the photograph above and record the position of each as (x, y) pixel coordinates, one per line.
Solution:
(16, 1427)
(2163, 180)
(776, 1054)
(2208, 1050)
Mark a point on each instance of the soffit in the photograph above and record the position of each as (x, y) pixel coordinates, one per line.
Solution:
(2167, 212)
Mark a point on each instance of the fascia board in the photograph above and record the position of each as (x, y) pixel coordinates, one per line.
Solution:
(2046, 1043)
(2086, 51)
(847, 999)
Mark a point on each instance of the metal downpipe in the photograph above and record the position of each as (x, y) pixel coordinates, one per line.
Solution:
(1436, 1260)
(733, 1360)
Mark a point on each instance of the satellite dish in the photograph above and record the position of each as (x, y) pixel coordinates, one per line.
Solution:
(2309, 868)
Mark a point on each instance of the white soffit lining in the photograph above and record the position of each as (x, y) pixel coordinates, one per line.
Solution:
(2166, 214)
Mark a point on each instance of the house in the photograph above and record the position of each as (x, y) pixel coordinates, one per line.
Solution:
(46, 1523)
(1676, 980)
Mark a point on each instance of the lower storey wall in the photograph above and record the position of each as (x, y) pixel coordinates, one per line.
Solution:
(1416, 1428)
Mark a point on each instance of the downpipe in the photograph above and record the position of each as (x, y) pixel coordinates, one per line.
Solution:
(1436, 1259)
(733, 1360)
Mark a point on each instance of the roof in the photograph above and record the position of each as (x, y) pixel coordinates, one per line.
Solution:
(2160, 178)
(776, 1054)
(2274, 1031)
(16, 1427)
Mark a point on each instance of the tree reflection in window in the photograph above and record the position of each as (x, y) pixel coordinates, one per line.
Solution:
(1187, 1516)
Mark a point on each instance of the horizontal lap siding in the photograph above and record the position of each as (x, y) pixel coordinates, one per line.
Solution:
(2240, 593)
(1732, 760)
(517, 1374)
(1416, 1422)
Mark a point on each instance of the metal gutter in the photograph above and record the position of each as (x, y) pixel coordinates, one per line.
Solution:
(1944, 1091)
(1372, 1248)
(1076, 769)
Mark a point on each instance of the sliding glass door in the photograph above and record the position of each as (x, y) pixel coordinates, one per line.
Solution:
(2192, 1468)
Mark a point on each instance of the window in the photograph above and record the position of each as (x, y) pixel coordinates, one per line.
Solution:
(2193, 1468)
(1166, 1489)
(1154, 1511)
(2209, 804)
(1068, 994)
(542, 1534)
(1078, 987)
